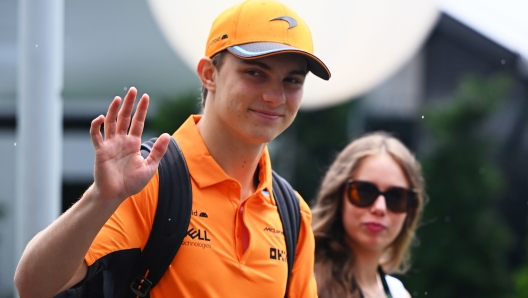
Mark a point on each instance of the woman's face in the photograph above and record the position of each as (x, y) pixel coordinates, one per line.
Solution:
(374, 227)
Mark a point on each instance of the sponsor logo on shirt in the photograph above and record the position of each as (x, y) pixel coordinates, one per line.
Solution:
(199, 214)
(273, 230)
(198, 234)
(278, 254)
(199, 238)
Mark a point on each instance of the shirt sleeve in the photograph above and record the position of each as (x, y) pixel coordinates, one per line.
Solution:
(129, 226)
(302, 283)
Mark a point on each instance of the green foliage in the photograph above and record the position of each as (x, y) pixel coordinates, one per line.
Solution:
(520, 279)
(173, 111)
(464, 241)
(521, 282)
(472, 103)
(318, 136)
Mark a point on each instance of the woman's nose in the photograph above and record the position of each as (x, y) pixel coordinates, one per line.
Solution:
(379, 205)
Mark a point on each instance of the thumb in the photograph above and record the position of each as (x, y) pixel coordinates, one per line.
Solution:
(158, 150)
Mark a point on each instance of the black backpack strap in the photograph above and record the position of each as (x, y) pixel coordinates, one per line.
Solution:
(290, 213)
(173, 214)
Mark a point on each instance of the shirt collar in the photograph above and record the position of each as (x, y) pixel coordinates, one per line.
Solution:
(204, 170)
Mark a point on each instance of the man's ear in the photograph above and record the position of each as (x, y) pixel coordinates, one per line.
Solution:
(206, 73)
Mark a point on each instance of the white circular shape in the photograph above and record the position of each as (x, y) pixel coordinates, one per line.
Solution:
(361, 42)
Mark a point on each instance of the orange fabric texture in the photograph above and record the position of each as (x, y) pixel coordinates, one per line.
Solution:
(259, 28)
(211, 261)
(251, 21)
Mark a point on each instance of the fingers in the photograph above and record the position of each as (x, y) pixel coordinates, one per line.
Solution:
(124, 116)
(95, 131)
(110, 120)
(117, 120)
(158, 150)
(138, 122)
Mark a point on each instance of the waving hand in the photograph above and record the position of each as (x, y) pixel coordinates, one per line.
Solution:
(120, 170)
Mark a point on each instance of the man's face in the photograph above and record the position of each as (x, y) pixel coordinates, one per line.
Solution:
(256, 100)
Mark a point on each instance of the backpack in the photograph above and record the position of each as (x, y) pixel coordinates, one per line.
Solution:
(132, 273)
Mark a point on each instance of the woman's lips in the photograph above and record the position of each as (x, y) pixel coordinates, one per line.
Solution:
(374, 227)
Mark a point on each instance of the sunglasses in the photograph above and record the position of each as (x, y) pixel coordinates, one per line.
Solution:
(363, 194)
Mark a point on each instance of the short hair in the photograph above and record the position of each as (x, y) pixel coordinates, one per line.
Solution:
(218, 60)
(334, 259)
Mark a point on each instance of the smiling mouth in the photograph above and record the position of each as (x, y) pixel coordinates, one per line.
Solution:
(267, 114)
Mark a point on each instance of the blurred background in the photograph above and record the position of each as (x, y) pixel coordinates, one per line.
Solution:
(459, 101)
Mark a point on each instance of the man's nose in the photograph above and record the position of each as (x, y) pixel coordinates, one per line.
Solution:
(274, 94)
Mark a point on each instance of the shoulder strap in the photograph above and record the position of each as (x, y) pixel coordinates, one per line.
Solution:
(384, 282)
(289, 211)
(173, 214)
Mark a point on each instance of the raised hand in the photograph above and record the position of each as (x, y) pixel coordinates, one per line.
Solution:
(120, 170)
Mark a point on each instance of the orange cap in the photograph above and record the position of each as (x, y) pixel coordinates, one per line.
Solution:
(259, 28)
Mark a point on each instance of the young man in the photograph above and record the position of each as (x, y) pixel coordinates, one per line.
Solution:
(257, 57)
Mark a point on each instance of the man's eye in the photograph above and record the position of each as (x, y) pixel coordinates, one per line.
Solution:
(293, 80)
(253, 72)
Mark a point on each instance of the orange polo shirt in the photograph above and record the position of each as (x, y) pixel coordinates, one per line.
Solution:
(211, 261)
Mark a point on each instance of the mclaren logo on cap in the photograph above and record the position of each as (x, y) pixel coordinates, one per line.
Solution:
(291, 21)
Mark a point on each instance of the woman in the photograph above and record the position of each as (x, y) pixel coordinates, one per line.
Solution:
(365, 217)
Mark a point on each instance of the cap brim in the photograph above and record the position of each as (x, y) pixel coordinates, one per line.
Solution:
(262, 49)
